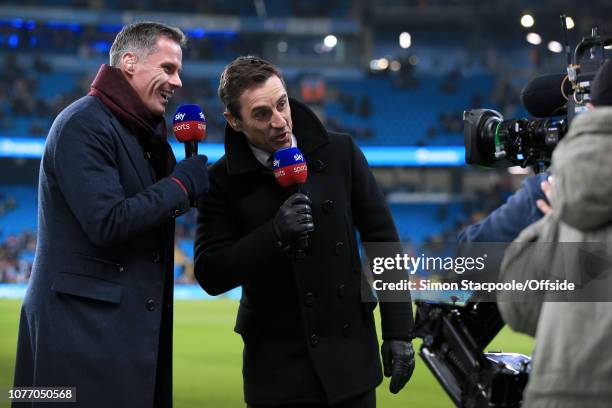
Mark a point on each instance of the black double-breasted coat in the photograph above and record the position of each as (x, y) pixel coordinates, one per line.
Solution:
(98, 309)
(308, 337)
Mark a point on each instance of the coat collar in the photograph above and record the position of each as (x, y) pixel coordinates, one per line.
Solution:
(307, 128)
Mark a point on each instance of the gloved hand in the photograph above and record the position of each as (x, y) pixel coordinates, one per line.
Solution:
(193, 174)
(293, 218)
(398, 362)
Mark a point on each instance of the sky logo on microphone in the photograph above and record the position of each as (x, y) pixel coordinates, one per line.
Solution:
(289, 167)
(189, 123)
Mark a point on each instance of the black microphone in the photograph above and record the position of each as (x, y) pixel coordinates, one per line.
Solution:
(543, 98)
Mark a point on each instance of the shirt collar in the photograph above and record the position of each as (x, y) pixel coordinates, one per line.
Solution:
(264, 157)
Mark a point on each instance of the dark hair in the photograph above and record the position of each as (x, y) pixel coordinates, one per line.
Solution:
(241, 74)
(141, 38)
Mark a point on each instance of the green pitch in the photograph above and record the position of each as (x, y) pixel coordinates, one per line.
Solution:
(208, 358)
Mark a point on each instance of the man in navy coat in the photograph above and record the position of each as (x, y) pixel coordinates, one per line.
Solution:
(98, 311)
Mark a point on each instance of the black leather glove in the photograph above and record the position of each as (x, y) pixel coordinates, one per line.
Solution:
(193, 174)
(398, 362)
(293, 218)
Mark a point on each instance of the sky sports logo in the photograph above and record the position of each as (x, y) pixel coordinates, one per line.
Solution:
(181, 116)
(187, 126)
(293, 169)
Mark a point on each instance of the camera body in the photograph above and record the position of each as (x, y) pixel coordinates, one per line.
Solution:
(492, 141)
(454, 337)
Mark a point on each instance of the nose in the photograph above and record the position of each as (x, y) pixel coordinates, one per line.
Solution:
(278, 120)
(175, 80)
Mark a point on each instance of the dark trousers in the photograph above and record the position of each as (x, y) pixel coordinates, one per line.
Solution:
(366, 400)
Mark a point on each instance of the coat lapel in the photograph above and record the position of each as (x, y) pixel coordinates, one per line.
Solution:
(135, 152)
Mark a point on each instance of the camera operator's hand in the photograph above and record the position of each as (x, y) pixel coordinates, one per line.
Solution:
(293, 218)
(398, 362)
(545, 205)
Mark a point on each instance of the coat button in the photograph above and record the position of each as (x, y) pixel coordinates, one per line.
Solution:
(338, 248)
(319, 165)
(147, 155)
(328, 205)
(341, 290)
(314, 340)
(155, 257)
(346, 329)
(150, 305)
(300, 255)
(176, 213)
(309, 299)
(121, 268)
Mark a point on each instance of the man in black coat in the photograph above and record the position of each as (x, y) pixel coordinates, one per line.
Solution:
(308, 338)
(98, 310)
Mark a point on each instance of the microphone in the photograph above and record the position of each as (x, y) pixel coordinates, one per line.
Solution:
(290, 170)
(543, 98)
(189, 126)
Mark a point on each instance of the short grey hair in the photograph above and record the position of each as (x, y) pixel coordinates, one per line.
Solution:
(141, 39)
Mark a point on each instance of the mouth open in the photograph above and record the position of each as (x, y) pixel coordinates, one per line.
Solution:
(166, 95)
(282, 137)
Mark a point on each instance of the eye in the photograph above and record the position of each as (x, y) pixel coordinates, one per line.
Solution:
(282, 104)
(262, 114)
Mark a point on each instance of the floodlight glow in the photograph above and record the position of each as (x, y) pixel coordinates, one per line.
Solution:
(527, 20)
(405, 40)
(534, 38)
(555, 46)
(569, 22)
(330, 41)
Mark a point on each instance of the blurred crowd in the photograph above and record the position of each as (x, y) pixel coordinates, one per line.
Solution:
(19, 97)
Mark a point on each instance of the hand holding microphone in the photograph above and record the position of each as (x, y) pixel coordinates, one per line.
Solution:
(291, 172)
(293, 218)
(189, 126)
(193, 176)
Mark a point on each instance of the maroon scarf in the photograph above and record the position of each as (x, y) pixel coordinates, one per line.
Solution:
(117, 94)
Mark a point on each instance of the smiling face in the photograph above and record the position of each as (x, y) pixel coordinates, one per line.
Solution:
(154, 77)
(265, 115)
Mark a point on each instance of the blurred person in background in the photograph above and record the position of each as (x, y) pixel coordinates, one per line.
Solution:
(309, 341)
(97, 314)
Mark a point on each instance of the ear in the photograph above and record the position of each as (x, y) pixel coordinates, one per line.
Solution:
(128, 62)
(233, 121)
